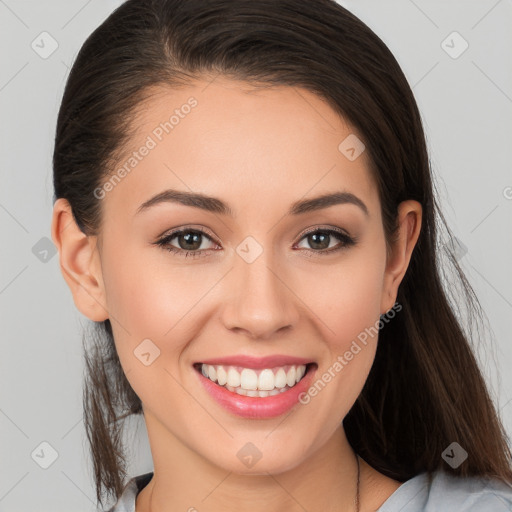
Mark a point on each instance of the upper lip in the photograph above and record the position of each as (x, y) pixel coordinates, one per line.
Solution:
(257, 362)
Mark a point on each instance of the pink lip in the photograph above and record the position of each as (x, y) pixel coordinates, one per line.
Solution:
(257, 362)
(257, 407)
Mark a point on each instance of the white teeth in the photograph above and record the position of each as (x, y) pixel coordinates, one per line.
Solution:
(222, 376)
(250, 382)
(266, 380)
(290, 377)
(248, 379)
(233, 378)
(280, 381)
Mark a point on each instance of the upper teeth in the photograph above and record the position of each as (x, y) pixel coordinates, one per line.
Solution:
(249, 379)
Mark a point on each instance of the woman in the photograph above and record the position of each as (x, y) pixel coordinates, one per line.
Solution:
(244, 209)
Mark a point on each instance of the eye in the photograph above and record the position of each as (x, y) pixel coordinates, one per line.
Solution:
(319, 239)
(190, 242)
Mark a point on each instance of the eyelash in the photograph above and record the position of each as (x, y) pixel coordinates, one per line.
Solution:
(346, 242)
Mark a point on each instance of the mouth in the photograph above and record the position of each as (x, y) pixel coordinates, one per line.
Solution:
(256, 382)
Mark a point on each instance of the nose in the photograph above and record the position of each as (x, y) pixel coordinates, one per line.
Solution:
(260, 301)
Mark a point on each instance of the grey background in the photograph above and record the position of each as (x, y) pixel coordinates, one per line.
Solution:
(466, 105)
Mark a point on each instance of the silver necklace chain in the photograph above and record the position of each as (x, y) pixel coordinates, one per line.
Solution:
(358, 477)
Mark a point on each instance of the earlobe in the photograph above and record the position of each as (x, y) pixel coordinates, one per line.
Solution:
(79, 262)
(409, 219)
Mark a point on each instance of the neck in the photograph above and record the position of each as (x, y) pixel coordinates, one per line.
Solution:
(183, 480)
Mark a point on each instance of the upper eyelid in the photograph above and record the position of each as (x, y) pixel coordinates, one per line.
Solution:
(179, 231)
(340, 231)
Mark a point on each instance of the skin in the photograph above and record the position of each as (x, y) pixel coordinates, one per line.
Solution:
(259, 151)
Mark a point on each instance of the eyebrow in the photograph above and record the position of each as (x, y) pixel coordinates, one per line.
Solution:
(215, 205)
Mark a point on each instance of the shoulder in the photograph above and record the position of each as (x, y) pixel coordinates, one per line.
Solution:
(126, 502)
(443, 491)
(471, 494)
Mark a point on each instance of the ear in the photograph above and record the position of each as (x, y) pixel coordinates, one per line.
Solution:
(80, 262)
(409, 219)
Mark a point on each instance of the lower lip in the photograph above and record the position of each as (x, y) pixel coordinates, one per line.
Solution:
(257, 407)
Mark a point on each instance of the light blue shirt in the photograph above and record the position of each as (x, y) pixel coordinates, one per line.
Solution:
(446, 493)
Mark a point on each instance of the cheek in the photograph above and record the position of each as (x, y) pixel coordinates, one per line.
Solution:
(350, 342)
(346, 301)
(146, 292)
(134, 296)
(151, 296)
(345, 297)
(148, 311)
(138, 305)
(359, 296)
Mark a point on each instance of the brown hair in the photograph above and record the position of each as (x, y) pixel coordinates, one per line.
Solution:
(425, 389)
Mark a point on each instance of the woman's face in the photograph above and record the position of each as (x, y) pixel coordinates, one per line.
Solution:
(254, 282)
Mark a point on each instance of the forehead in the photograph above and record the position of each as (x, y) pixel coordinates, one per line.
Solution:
(232, 140)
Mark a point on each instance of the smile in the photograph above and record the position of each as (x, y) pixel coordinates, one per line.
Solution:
(252, 382)
(256, 393)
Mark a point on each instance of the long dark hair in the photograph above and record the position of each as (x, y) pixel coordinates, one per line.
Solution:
(425, 389)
